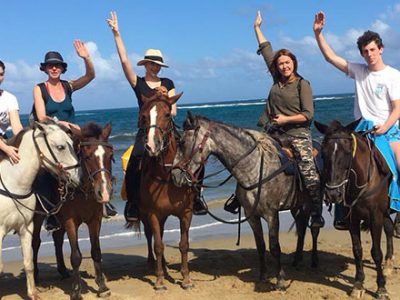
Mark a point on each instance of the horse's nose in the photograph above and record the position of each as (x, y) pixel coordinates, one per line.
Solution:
(333, 196)
(178, 177)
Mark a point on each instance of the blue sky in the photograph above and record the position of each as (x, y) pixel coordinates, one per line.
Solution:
(210, 44)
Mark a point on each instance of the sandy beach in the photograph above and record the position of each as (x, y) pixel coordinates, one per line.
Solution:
(219, 270)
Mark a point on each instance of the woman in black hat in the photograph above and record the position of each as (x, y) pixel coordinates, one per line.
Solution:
(153, 62)
(52, 98)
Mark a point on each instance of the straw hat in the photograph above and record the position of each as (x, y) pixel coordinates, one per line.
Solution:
(152, 55)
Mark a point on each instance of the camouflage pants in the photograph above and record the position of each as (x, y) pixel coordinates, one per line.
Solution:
(302, 146)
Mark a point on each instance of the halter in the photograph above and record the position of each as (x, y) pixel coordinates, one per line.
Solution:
(55, 164)
(96, 143)
(344, 185)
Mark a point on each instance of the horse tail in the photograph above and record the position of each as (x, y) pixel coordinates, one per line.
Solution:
(133, 225)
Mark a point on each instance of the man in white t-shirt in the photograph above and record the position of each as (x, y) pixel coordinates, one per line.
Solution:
(9, 116)
(377, 85)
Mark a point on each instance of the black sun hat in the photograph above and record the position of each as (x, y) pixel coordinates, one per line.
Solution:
(53, 57)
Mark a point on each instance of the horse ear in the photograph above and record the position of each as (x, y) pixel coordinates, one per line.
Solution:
(189, 122)
(38, 125)
(321, 127)
(353, 125)
(175, 98)
(106, 131)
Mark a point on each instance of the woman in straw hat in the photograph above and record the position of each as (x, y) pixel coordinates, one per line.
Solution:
(153, 61)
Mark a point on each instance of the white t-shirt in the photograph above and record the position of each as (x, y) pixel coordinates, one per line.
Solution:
(8, 102)
(374, 91)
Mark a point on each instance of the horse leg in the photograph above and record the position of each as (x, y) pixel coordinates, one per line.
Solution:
(301, 226)
(314, 254)
(159, 251)
(184, 248)
(389, 232)
(76, 259)
(358, 288)
(2, 234)
(26, 246)
(149, 238)
(255, 224)
(376, 253)
(58, 238)
(397, 226)
(275, 248)
(36, 241)
(94, 233)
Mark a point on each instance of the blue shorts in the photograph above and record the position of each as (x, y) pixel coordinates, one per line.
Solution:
(393, 134)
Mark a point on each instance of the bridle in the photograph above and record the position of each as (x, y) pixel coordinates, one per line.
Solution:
(165, 134)
(344, 185)
(93, 173)
(54, 163)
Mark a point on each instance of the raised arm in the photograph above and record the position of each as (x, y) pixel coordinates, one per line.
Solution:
(89, 74)
(327, 52)
(257, 24)
(123, 57)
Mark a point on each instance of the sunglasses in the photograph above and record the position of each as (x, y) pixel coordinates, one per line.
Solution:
(58, 66)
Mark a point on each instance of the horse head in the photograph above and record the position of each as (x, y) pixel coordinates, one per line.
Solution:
(193, 151)
(156, 120)
(96, 156)
(56, 151)
(338, 151)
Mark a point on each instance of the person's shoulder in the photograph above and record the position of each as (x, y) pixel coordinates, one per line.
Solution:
(8, 96)
(392, 70)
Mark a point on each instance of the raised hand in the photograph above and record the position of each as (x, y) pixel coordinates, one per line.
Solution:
(258, 20)
(113, 21)
(319, 22)
(81, 49)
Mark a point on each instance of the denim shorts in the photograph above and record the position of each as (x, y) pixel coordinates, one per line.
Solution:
(393, 134)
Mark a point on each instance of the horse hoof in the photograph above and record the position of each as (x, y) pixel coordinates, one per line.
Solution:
(382, 294)
(187, 286)
(160, 288)
(104, 294)
(280, 286)
(357, 293)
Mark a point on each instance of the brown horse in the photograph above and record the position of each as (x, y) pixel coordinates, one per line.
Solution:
(356, 175)
(159, 197)
(86, 206)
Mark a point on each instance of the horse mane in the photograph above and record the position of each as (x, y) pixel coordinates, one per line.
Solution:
(266, 142)
(15, 141)
(92, 129)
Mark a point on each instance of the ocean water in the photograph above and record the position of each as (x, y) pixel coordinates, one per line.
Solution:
(242, 113)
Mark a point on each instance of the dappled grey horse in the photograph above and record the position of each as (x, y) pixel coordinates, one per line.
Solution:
(247, 154)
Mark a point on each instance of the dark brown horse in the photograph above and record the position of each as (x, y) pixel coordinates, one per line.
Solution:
(85, 206)
(159, 197)
(356, 175)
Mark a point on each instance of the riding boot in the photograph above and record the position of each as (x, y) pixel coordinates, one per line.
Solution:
(397, 226)
(51, 223)
(132, 183)
(339, 221)
(199, 207)
(109, 210)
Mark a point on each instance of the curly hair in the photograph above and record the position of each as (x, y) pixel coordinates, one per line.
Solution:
(368, 37)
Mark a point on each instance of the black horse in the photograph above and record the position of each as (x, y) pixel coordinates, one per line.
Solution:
(356, 175)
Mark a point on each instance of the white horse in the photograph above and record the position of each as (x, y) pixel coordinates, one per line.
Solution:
(47, 146)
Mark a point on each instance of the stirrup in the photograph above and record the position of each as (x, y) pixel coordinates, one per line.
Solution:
(232, 205)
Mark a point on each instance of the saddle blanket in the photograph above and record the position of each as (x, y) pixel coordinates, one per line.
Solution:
(384, 148)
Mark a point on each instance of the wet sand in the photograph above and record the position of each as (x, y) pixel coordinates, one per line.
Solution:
(219, 270)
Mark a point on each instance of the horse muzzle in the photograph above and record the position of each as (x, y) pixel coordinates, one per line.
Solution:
(334, 196)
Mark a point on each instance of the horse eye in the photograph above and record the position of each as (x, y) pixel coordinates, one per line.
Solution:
(60, 147)
(168, 115)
